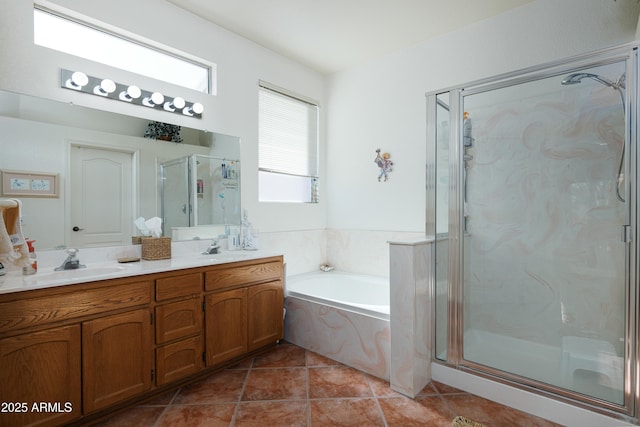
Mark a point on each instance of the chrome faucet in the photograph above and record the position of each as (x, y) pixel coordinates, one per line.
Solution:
(214, 248)
(72, 262)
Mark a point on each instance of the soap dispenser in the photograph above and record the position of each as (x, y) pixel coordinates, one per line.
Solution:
(31, 266)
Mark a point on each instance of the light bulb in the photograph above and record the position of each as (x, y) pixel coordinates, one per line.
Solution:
(196, 108)
(105, 87)
(132, 92)
(156, 98)
(77, 80)
(177, 103)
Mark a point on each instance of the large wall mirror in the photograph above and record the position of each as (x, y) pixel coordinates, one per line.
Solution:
(107, 173)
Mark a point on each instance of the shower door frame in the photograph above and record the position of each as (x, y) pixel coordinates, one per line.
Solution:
(455, 323)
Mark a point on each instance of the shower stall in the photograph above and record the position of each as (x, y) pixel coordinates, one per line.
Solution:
(198, 191)
(532, 185)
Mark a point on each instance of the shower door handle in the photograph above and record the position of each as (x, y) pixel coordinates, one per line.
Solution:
(625, 236)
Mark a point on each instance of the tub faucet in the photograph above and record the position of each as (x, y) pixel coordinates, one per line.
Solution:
(72, 262)
(214, 248)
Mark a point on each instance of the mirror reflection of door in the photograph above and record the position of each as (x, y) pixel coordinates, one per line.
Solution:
(101, 197)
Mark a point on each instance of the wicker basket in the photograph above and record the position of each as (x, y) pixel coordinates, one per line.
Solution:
(136, 240)
(465, 422)
(156, 248)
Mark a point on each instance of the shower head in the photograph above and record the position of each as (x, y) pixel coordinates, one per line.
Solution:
(618, 85)
(576, 78)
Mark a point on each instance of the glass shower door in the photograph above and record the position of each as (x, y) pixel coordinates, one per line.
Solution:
(545, 214)
(177, 209)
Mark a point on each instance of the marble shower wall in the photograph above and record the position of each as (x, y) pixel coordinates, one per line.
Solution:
(545, 259)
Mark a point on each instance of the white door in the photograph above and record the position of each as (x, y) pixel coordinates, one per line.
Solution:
(101, 197)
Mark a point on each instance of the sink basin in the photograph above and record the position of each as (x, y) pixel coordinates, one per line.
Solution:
(73, 275)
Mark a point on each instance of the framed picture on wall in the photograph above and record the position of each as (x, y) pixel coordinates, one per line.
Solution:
(30, 184)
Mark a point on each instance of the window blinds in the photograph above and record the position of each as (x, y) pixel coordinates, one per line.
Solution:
(288, 134)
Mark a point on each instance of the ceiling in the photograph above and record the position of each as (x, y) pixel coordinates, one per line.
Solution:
(333, 35)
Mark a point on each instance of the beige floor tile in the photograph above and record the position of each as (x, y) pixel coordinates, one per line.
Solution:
(215, 415)
(337, 381)
(272, 414)
(225, 386)
(345, 412)
(405, 412)
(276, 384)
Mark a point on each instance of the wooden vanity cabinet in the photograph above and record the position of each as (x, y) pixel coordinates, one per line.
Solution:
(245, 310)
(70, 350)
(82, 349)
(178, 327)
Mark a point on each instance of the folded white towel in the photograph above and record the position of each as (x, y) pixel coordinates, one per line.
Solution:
(13, 247)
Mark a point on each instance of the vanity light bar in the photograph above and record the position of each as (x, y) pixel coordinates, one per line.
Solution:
(107, 88)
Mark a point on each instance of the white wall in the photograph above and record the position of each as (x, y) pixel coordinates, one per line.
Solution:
(381, 104)
(377, 105)
(34, 70)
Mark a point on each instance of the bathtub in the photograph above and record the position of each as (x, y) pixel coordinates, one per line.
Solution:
(365, 294)
(342, 316)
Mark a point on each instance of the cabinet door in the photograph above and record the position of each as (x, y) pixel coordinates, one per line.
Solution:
(116, 358)
(226, 325)
(40, 368)
(265, 307)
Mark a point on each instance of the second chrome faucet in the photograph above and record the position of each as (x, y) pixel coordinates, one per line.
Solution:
(72, 262)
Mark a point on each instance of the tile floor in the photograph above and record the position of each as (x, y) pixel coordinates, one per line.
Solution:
(290, 386)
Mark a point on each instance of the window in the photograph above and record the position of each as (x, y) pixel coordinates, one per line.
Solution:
(96, 44)
(288, 146)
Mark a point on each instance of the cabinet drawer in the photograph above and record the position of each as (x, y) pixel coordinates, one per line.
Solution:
(178, 319)
(178, 286)
(178, 360)
(76, 302)
(247, 274)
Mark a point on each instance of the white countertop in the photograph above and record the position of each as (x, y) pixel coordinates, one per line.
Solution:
(15, 281)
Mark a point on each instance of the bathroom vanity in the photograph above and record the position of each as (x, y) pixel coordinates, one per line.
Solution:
(70, 353)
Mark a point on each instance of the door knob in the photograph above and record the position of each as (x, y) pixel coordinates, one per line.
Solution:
(76, 228)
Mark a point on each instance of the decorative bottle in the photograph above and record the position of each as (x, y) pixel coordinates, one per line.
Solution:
(32, 264)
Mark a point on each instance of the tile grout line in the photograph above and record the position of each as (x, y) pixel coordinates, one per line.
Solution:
(166, 408)
(232, 423)
(375, 398)
(306, 367)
